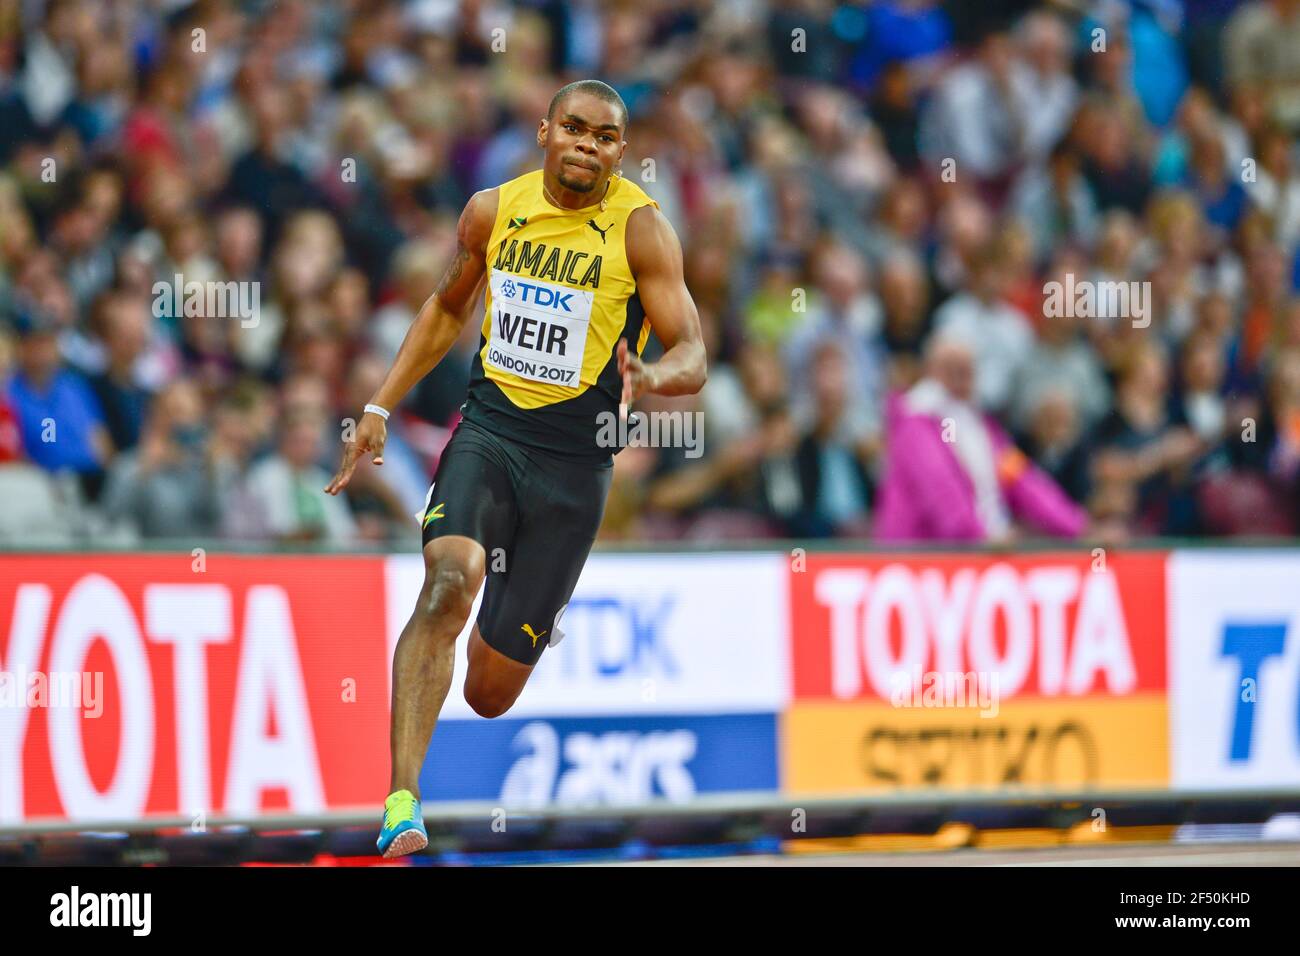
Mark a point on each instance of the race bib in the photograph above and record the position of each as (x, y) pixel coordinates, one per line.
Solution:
(539, 329)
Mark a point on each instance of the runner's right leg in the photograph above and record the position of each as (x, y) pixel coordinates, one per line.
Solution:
(470, 509)
(426, 652)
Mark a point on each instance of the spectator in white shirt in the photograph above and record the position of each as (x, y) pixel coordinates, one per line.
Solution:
(1060, 362)
(843, 311)
(283, 497)
(1010, 104)
(1276, 187)
(998, 334)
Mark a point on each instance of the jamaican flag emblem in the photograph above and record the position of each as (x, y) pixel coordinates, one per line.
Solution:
(517, 221)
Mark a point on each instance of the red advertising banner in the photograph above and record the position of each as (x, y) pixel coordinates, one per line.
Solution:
(1048, 625)
(954, 672)
(188, 685)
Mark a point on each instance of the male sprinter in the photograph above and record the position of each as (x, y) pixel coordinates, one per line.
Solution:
(577, 260)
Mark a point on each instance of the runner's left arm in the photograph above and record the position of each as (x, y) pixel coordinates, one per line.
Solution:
(655, 255)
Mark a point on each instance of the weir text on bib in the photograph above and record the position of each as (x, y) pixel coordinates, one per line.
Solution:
(539, 329)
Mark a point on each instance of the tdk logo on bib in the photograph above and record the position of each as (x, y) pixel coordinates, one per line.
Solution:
(526, 292)
(539, 330)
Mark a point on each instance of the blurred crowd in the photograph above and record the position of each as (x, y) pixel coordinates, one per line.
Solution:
(874, 199)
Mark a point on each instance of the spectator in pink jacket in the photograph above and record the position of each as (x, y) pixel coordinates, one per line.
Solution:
(951, 471)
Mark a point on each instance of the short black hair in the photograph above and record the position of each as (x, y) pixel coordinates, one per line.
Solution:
(596, 88)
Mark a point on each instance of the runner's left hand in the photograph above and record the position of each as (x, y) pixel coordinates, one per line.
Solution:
(638, 377)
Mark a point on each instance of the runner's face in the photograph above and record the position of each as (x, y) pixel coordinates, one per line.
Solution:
(583, 142)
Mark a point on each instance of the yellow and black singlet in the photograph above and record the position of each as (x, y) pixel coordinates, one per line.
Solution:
(559, 296)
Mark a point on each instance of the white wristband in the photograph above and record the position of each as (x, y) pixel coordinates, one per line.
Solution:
(377, 410)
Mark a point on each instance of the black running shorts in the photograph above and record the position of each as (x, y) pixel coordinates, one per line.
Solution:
(536, 516)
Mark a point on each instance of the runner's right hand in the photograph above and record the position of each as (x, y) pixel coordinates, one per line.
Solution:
(372, 432)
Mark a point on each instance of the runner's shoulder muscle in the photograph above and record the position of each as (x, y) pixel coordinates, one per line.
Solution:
(478, 218)
(652, 246)
(461, 280)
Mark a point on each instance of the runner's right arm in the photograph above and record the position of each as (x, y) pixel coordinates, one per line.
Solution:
(435, 328)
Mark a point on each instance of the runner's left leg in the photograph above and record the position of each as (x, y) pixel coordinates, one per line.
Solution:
(560, 505)
(494, 681)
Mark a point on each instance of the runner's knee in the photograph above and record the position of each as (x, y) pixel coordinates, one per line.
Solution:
(450, 584)
(488, 701)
